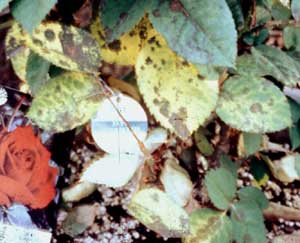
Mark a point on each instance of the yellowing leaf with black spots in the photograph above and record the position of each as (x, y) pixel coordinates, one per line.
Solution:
(158, 212)
(178, 96)
(66, 101)
(253, 104)
(30, 68)
(19, 64)
(123, 51)
(208, 226)
(65, 46)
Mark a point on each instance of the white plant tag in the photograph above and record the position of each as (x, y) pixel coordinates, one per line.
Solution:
(109, 130)
(17, 234)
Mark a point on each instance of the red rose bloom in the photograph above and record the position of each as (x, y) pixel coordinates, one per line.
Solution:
(25, 174)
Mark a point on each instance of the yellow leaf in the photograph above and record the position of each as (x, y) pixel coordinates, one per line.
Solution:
(177, 95)
(19, 62)
(65, 46)
(125, 50)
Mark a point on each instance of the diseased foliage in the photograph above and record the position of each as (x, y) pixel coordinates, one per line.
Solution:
(192, 63)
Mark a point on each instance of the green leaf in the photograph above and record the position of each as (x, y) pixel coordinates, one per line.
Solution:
(247, 223)
(291, 37)
(4, 4)
(277, 64)
(249, 143)
(36, 72)
(295, 6)
(253, 104)
(221, 187)
(176, 182)
(279, 11)
(202, 143)
(30, 13)
(266, 60)
(263, 12)
(65, 46)
(227, 164)
(208, 226)
(237, 13)
(66, 101)
(119, 16)
(259, 170)
(203, 31)
(177, 95)
(250, 193)
(294, 133)
(295, 110)
(158, 212)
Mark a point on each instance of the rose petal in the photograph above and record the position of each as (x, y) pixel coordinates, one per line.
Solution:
(4, 200)
(34, 185)
(45, 192)
(43, 175)
(43, 196)
(12, 170)
(3, 149)
(15, 191)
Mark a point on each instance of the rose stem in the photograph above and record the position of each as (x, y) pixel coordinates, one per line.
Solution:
(15, 112)
(3, 123)
(140, 143)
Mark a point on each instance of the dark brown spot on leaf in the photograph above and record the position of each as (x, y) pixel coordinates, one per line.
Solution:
(148, 61)
(63, 63)
(49, 34)
(12, 42)
(151, 40)
(108, 33)
(164, 108)
(155, 197)
(156, 13)
(37, 42)
(115, 45)
(271, 102)
(176, 6)
(200, 77)
(177, 121)
(185, 63)
(123, 16)
(256, 107)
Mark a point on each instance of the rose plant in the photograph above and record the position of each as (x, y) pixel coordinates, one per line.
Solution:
(25, 174)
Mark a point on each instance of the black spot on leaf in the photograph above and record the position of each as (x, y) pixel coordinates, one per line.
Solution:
(149, 61)
(115, 45)
(49, 34)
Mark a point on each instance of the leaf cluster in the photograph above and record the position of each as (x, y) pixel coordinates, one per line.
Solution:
(239, 216)
(193, 61)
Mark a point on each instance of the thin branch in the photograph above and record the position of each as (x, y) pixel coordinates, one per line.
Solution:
(140, 143)
(281, 24)
(15, 112)
(276, 211)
